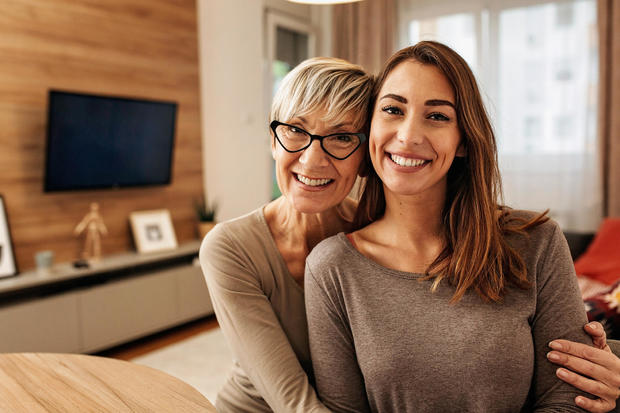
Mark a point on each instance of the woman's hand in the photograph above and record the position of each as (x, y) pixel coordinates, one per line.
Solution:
(593, 369)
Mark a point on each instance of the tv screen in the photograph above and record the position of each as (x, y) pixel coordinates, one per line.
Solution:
(107, 142)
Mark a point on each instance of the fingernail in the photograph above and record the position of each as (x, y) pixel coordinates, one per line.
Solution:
(553, 356)
(592, 326)
(555, 345)
(580, 400)
(562, 373)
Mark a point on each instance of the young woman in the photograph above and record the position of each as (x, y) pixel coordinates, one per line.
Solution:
(444, 300)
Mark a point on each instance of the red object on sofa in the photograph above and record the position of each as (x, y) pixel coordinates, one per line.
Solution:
(601, 261)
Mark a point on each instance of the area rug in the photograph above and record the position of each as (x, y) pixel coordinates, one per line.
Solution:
(202, 361)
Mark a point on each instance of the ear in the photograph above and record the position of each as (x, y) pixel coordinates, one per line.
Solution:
(461, 151)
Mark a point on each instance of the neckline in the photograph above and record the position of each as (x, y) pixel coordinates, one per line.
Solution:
(272, 241)
(342, 237)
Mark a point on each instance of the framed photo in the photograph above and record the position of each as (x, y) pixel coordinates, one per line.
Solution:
(153, 230)
(8, 265)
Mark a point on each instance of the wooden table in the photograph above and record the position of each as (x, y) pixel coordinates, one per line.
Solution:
(44, 382)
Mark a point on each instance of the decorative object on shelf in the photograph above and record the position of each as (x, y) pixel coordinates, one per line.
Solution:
(8, 265)
(95, 228)
(153, 230)
(206, 216)
(44, 261)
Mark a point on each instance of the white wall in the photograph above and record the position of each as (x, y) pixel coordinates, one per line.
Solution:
(236, 156)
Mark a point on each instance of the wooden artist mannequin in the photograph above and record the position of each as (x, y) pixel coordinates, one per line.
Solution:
(93, 223)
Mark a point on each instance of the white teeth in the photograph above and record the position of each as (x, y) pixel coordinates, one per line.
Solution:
(313, 182)
(406, 161)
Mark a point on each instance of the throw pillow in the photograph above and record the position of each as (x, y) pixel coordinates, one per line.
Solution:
(601, 261)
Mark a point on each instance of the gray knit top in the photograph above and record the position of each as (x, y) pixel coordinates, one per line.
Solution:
(381, 341)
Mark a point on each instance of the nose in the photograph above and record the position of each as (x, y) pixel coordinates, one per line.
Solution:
(411, 131)
(314, 156)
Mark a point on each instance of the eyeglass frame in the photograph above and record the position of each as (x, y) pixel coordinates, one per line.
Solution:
(274, 124)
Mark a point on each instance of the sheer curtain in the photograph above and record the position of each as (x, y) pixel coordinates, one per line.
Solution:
(537, 65)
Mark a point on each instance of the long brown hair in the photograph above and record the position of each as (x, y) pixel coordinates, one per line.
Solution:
(476, 254)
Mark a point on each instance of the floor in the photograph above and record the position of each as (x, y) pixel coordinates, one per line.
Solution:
(160, 340)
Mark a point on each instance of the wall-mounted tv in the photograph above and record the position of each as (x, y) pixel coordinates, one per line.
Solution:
(97, 142)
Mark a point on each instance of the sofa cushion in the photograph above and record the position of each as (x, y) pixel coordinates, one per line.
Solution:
(601, 261)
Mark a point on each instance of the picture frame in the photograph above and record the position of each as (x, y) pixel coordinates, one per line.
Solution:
(153, 230)
(8, 264)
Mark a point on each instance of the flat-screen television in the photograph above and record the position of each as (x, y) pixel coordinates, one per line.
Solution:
(96, 142)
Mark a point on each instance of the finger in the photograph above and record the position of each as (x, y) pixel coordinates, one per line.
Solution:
(598, 373)
(595, 406)
(606, 394)
(597, 332)
(597, 356)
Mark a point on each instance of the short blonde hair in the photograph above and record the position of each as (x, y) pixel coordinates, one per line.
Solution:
(324, 83)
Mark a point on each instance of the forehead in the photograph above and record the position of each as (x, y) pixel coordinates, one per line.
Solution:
(412, 79)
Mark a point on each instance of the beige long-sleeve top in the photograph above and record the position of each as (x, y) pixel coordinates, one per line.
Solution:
(260, 309)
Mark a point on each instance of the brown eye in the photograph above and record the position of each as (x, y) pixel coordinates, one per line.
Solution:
(438, 116)
(392, 110)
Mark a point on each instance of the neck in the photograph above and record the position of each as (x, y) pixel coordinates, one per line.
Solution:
(414, 220)
(287, 223)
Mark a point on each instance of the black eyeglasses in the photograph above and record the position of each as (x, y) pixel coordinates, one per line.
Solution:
(336, 145)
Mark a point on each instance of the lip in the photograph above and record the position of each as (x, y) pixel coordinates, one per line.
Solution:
(408, 155)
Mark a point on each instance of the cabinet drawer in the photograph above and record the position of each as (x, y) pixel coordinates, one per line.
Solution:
(46, 325)
(122, 310)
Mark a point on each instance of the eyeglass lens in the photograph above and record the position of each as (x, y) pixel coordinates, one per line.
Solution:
(339, 145)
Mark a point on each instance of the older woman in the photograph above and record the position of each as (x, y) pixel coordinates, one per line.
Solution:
(254, 265)
(444, 300)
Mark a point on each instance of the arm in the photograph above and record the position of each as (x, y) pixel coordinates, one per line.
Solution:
(339, 381)
(559, 314)
(595, 370)
(252, 328)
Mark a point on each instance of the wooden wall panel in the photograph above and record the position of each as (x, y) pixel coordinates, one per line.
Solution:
(133, 48)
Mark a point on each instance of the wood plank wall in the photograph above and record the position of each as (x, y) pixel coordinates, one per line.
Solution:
(133, 48)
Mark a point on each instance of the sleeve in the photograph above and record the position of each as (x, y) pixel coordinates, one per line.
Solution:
(339, 380)
(251, 327)
(614, 345)
(560, 313)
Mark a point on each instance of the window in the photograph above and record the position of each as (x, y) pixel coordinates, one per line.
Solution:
(537, 66)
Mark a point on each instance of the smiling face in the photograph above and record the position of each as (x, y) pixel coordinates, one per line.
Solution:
(311, 180)
(414, 134)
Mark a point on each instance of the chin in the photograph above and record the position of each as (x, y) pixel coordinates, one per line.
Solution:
(309, 205)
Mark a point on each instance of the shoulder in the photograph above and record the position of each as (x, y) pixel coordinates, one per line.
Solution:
(540, 236)
(543, 247)
(232, 231)
(328, 252)
(242, 241)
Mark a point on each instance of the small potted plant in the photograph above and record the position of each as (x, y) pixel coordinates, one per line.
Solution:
(206, 216)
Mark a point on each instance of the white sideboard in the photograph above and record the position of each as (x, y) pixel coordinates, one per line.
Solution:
(124, 297)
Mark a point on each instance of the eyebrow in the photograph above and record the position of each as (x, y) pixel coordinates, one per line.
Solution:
(337, 126)
(431, 102)
(439, 102)
(397, 98)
